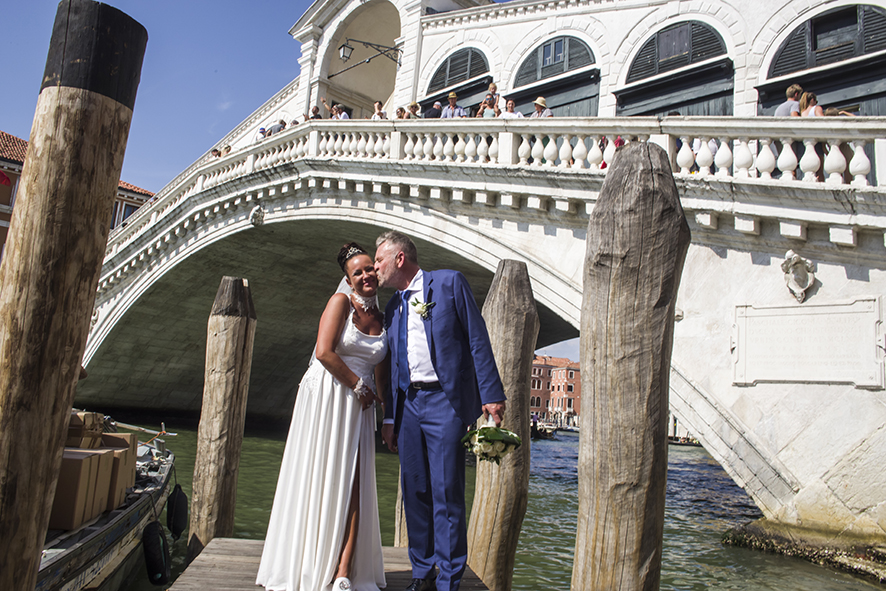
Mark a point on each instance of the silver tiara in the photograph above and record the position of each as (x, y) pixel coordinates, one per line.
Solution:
(354, 250)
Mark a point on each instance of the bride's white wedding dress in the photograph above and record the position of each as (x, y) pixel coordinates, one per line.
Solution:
(330, 439)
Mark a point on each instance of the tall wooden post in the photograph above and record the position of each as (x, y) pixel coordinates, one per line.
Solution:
(502, 492)
(57, 239)
(230, 335)
(636, 245)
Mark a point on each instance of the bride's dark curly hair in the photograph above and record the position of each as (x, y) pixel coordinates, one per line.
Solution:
(347, 251)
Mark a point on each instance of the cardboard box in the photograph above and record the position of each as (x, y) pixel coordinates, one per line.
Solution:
(78, 471)
(84, 430)
(120, 441)
(119, 478)
(102, 482)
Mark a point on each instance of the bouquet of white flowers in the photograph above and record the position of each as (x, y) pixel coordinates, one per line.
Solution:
(491, 443)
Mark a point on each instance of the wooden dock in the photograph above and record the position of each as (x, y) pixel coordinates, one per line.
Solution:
(228, 564)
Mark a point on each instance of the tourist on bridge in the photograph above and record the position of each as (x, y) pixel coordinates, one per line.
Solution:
(442, 378)
(510, 112)
(791, 107)
(324, 523)
(541, 109)
(401, 113)
(452, 110)
(434, 112)
(809, 106)
(488, 108)
(378, 114)
(413, 111)
(276, 128)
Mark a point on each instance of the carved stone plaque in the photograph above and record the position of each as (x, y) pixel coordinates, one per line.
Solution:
(833, 343)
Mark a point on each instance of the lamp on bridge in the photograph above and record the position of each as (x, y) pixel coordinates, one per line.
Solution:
(345, 50)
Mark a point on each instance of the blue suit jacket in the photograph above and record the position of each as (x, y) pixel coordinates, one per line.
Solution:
(459, 346)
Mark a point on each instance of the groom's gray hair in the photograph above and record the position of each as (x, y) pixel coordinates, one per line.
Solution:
(403, 242)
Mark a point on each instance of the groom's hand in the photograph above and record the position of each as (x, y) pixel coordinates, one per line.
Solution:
(496, 409)
(388, 437)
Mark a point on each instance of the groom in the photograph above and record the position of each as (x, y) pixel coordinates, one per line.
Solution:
(443, 377)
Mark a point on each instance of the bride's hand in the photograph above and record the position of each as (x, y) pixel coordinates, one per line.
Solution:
(366, 395)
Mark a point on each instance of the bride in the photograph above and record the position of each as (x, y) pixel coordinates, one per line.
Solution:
(324, 530)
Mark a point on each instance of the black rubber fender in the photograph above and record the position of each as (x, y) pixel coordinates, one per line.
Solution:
(177, 512)
(156, 549)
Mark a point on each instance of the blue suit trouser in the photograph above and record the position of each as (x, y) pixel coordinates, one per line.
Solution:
(432, 461)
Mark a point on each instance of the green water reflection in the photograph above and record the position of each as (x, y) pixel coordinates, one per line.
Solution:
(702, 503)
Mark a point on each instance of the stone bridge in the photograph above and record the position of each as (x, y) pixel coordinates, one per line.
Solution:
(787, 395)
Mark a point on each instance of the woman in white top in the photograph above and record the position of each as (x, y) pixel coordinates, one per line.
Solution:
(509, 112)
(809, 106)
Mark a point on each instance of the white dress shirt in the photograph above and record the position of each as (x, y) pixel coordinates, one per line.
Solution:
(421, 369)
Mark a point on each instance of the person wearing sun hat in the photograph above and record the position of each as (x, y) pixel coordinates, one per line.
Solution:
(541, 109)
(452, 110)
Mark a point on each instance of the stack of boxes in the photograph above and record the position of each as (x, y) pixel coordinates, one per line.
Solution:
(96, 470)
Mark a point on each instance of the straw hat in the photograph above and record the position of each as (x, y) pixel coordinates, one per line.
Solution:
(541, 101)
(413, 104)
(453, 95)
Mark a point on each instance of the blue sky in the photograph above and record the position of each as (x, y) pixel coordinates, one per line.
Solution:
(207, 66)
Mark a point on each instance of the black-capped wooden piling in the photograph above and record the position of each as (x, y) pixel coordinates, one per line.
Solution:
(502, 491)
(49, 274)
(230, 336)
(636, 246)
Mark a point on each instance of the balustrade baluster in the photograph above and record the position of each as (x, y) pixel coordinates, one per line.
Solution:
(744, 159)
(595, 156)
(448, 148)
(705, 157)
(354, 144)
(386, 147)
(380, 146)
(579, 152)
(834, 163)
(524, 151)
(566, 151)
(324, 144)
(439, 141)
(429, 147)
(409, 147)
(471, 148)
(460, 147)
(860, 165)
(765, 159)
(337, 145)
(787, 161)
(609, 152)
(482, 150)
(361, 146)
(538, 150)
(685, 157)
(810, 162)
(550, 151)
(723, 159)
(493, 149)
(419, 149)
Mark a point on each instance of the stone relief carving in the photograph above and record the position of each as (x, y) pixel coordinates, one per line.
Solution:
(799, 274)
(94, 319)
(257, 215)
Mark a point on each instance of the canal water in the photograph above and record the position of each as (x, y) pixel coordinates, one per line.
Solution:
(702, 503)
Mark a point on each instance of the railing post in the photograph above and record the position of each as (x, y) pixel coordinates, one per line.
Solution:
(398, 150)
(250, 164)
(507, 148)
(313, 143)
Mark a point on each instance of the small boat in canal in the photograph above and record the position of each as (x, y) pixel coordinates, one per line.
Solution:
(99, 554)
(542, 431)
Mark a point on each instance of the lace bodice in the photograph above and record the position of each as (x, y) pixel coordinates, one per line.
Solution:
(361, 352)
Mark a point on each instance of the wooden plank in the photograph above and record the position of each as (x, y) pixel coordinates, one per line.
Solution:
(228, 564)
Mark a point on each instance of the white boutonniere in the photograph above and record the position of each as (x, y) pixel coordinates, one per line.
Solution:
(423, 309)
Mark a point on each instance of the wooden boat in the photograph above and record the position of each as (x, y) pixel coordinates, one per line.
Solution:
(542, 431)
(90, 556)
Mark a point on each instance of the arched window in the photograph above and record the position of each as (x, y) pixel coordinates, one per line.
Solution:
(554, 57)
(462, 65)
(833, 36)
(674, 47)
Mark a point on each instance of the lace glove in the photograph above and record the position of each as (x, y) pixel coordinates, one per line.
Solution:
(365, 393)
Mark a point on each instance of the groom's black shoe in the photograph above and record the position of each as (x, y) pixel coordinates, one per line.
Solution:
(422, 585)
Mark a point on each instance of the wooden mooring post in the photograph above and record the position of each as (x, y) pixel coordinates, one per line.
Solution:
(502, 491)
(636, 246)
(230, 335)
(50, 269)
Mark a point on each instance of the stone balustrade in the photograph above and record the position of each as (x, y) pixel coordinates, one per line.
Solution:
(778, 151)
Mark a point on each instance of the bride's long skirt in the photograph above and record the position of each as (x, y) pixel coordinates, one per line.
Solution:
(330, 440)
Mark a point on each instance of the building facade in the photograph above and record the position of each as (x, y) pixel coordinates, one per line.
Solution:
(555, 391)
(12, 158)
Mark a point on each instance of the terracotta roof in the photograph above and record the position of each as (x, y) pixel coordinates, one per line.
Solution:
(554, 361)
(14, 149)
